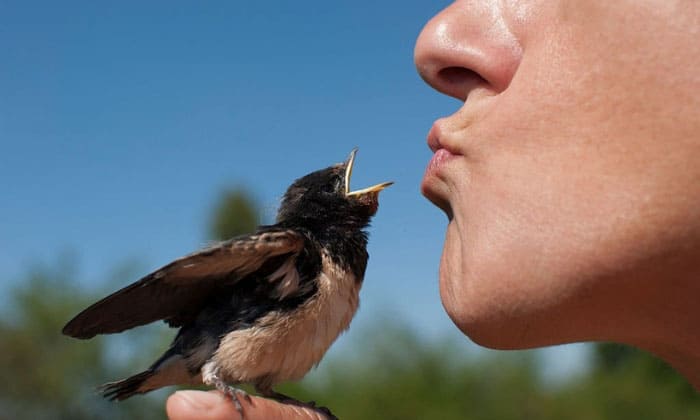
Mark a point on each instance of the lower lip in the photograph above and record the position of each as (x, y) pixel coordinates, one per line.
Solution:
(439, 159)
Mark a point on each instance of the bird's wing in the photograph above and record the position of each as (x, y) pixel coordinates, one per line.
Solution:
(168, 292)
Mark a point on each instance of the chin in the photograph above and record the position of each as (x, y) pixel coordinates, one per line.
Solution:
(492, 299)
(488, 322)
(460, 295)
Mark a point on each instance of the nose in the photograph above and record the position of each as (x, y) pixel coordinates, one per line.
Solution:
(467, 45)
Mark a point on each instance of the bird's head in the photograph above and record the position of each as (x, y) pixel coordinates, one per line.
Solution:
(324, 198)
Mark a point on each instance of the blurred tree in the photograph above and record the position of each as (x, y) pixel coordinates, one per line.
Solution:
(235, 213)
(46, 375)
(49, 376)
(402, 377)
(614, 358)
(626, 383)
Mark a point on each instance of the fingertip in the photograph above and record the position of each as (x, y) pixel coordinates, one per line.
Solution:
(212, 405)
(265, 409)
(186, 405)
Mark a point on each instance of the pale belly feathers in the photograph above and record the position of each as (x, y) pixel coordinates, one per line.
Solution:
(284, 347)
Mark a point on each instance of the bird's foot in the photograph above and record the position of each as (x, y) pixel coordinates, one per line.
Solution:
(211, 377)
(285, 399)
(235, 394)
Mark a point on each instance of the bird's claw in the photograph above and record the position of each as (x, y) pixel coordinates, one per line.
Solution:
(311, 404)
(326, 411)
(235, 394)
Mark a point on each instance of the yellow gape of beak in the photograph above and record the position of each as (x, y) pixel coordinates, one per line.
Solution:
(348, 174)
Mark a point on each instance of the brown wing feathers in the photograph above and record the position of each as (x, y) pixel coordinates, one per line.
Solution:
(182, 284)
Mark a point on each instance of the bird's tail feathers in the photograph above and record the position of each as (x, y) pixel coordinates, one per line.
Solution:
(121, 390)
(170, 369)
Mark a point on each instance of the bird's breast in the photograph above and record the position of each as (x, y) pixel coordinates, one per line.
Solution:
(285, 345)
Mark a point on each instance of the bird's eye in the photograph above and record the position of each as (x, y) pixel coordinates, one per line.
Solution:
(328, 188)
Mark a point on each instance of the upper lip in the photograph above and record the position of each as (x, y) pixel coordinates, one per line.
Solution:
(434, 142)
(438, 138)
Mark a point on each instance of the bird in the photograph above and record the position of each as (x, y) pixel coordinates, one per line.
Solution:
(257, 309)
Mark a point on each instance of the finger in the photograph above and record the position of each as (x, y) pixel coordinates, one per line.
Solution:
(212, 405)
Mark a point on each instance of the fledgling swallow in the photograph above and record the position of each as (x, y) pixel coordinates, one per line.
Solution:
(257, 309)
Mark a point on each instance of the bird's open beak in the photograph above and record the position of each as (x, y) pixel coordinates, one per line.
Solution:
(348, 173)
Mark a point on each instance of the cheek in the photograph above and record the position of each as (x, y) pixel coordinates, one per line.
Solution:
(542, 244)
(524, 251)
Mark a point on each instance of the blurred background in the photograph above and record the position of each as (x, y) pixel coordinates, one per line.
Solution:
(132, 133)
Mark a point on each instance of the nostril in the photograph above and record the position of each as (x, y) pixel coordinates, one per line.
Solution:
(454, 75)
(458, 81)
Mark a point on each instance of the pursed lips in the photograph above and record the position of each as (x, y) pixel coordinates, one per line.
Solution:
(434, 181)
(441, 153)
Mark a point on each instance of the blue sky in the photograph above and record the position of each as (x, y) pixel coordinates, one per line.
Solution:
(121, 122)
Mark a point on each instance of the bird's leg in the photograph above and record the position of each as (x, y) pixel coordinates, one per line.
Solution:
(211, 377)
(266, 391)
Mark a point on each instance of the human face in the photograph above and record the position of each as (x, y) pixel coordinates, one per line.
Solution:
(570, 174)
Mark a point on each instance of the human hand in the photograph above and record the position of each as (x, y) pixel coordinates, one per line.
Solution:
(212, 405)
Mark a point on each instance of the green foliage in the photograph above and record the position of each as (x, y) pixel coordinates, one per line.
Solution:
(628, 391)
(47, 375)
(613, 357)
(234, 214)
(401, 377)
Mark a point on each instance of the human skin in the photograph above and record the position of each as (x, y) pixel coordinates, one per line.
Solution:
(212, 405)
(570, 174)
